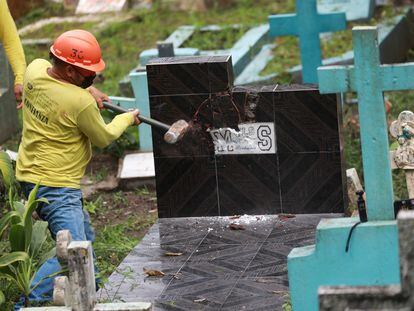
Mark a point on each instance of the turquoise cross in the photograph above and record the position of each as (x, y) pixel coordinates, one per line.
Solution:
(307, 24)
(370, 79)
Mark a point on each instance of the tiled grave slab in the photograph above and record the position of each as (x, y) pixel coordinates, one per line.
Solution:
(186, 186)
(169, 109)
(291, 162)
(220, 268)
(189, 75)
(248, 184)
(306, 121)
(311, 182)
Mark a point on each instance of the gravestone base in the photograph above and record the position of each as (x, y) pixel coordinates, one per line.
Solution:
(218, 269)
(372, 259)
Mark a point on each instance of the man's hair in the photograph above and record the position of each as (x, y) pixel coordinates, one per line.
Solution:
(56, 61)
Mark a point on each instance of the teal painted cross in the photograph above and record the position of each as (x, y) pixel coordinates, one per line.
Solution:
(307, 24)
(370, 79)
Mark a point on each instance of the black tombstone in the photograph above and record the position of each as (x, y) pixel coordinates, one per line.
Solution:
(303, 174)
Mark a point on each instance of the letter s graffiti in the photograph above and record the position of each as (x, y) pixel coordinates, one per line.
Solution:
(265, 141)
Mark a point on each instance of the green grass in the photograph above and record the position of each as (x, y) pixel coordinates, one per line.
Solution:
(215, 40)
(114, 242)
(51, 31)
(41, 12)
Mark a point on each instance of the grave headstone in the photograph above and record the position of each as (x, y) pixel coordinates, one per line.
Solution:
(8, 113)
(77, 291)
(391, 297)
(252, 150)
(355, 10)
(307, 24)
(372, 258)
(394, 38)
(100, 6)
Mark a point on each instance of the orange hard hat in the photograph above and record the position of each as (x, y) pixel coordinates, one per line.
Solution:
(79, 48)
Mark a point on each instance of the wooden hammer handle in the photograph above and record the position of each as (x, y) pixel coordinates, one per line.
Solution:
(144, 119)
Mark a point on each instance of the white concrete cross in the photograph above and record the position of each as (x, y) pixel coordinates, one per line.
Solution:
(77, 292)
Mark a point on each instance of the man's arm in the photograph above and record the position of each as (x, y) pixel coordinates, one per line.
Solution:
(91, 123)
(12, 46)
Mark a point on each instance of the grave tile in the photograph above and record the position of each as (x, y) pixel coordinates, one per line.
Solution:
(311, 183)
(195, 108)
(160, 253)
(186, 187)
(220, 260)
(129, 282)
(298, 230)
(248, 296)
(220, 73)
(167, 77)
(184, 304)
(248, 184)
(227, 269)
(306, 121)
(213, 290)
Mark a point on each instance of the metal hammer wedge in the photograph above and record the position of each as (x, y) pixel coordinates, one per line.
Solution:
(174, 132)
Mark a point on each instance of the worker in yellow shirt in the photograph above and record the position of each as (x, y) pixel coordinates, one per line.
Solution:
(13, 47)
(60, 121)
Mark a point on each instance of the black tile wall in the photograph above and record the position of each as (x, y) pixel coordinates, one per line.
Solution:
(306, 175)
(306, 121)
(186, 186)
(311, 182)
(248, 184)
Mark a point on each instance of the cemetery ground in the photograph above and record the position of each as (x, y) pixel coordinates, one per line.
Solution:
(121, 218)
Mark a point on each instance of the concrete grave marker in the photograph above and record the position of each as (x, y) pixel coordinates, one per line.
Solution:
(370, 79)
(355, 10)
(391, 297)
(373, 254)
(307, 24)
(100, 6)
(77, 292)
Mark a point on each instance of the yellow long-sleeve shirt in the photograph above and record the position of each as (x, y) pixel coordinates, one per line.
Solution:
(11, 42)
(60, 120)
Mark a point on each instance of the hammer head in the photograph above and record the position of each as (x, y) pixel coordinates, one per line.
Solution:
(176, 131)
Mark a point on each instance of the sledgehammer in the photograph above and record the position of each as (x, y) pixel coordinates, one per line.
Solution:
(174, 132)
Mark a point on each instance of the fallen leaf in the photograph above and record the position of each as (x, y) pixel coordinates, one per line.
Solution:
(172, 254)
(235, 217)
(200, 300)
(234, 226)
(151, 272)
(278, 292)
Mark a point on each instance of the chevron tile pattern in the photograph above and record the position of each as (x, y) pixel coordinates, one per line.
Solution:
(219, 269)
(305, 175)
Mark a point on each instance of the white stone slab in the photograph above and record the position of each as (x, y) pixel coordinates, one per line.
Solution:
(100, 6)
(354, 9)
(137, 165)
(47, 309)
(131, 306)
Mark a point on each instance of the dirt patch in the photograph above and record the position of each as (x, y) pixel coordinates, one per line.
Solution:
(113, 208)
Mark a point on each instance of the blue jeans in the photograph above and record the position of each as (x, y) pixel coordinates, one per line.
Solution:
(64, 212)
